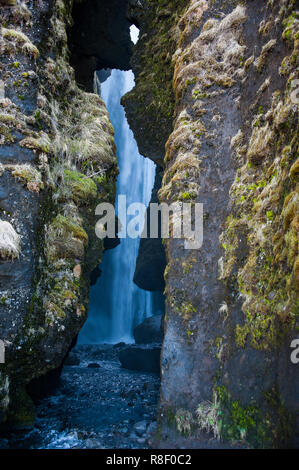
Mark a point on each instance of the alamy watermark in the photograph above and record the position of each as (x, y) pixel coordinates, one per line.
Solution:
(295, 352)
(178, 220)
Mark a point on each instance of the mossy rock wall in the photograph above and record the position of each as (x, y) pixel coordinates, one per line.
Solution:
(232, 306)
(57, 162)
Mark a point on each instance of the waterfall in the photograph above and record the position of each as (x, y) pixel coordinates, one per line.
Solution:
(117, 305)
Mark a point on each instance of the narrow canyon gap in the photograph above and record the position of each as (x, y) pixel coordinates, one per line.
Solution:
(117, 305)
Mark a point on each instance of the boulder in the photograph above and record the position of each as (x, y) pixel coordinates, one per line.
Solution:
(145, 358)
(94, 365)
(149, 331)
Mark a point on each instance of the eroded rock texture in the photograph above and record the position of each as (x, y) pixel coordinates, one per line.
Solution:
(99, 38)
(57, 162)
(232, 306)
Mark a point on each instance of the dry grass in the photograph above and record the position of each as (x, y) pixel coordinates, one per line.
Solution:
(10, 241)
(208, 417)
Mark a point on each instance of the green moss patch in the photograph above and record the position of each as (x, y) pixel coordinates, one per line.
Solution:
(82, 188)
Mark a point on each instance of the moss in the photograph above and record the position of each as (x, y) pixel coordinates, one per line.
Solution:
(266, 201)
(21, 41)
(31, 50)
(65, 226)
(82, 188)
(10, 242)
(7, 119)
(54, 312)
(209, 418)
(35, 144)
(239, 423)
(29, 175)
(261, 60)
(67, 294)
(15, 35)
(73, 128)
(290, 24)
(187, 196)
(294, 171)
(184, 422)
(22, 411)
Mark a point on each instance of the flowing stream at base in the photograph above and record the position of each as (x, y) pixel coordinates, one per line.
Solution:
(117, 305)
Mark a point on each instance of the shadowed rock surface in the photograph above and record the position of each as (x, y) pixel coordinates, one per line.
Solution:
(145, 357)
(149, 331)
(99, 38)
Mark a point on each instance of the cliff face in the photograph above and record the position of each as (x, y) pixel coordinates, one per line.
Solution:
(232, 306)
(99, 38)
(215, 106)
(150, 105)
(57, 162)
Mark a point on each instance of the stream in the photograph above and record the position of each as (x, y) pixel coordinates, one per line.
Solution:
(97, 405)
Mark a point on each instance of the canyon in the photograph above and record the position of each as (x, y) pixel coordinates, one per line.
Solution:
(214, 112)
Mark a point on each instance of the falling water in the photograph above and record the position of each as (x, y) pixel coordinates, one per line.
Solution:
(116, 303)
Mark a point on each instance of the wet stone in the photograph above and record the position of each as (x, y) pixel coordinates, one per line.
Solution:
(113, 408)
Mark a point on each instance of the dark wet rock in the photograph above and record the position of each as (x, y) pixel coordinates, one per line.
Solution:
(72, 360)
(110, 243)
(141, 440)
(141, 357)
(206, 300)
(99, 38)
(93, 444)
(152, 428)
(135, 9)
(149, 331)
(94, 365)
(140, 428)
(119, 345)
(43, 303)
(94, 276)
(45, 385)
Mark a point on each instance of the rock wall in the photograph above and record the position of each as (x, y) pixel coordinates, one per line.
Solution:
(150, 105)
(228, 71)
(57, 162)
(99, 38)
(215, 105)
